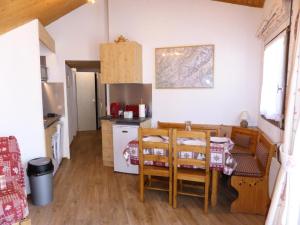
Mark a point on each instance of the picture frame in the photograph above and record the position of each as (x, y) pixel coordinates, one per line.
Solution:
(184, 67)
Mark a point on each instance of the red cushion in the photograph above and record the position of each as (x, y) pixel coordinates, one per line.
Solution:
(13, 203)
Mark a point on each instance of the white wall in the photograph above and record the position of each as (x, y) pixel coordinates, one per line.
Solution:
(159, 23)
(20, 90)
(77, 36)
(231, 28)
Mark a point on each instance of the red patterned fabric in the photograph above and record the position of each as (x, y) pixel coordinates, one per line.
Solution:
(13, 203)
(220, 156)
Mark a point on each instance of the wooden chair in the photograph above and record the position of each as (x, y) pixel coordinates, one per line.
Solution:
(245, 140)
(213, 129)
(152, 170)
(251, 178)
(201, 175)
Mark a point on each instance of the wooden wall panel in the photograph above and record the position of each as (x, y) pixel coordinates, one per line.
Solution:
(252, 3)
(46, 39)
(14, 13)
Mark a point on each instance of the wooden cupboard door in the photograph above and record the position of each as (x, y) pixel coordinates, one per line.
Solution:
(107, 143)
(121, 63)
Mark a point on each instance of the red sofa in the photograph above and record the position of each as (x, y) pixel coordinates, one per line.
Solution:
(13, 202)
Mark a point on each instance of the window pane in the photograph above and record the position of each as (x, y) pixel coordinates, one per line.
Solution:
(274, 69)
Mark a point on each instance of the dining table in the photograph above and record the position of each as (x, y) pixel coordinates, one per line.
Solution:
(221, 160)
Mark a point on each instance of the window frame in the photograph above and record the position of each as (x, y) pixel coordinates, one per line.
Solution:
(280, 124)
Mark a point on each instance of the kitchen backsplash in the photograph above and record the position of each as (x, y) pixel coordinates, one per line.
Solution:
(131, 94)
(53, 98)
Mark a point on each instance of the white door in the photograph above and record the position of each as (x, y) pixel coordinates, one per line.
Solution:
(72, 103)
(86, 101)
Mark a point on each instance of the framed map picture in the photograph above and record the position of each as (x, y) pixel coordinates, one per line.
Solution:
(185, 67)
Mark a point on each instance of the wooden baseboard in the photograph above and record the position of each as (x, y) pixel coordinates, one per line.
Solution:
(108, 163)
(26, 221)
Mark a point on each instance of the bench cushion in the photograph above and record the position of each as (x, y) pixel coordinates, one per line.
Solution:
(247, 166)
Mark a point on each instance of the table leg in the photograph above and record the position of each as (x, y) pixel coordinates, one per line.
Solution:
(214, 191)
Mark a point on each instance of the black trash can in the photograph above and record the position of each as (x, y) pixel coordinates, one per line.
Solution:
(40, 173)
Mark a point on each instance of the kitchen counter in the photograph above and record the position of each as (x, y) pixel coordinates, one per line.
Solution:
(48, 121)
(121, 120)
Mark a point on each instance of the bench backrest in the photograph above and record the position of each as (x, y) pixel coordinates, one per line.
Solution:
(264, 152)
(214, 130)
(245, 137)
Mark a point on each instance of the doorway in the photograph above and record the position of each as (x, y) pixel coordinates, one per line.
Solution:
(86, 101)
(89, 96)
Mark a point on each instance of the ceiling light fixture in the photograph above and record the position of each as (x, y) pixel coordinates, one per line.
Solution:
(92, 1)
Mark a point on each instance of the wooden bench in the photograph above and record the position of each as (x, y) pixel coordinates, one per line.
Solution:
(251, 178)
(245, 140)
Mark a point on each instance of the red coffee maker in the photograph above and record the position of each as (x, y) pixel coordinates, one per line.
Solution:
(114, 109)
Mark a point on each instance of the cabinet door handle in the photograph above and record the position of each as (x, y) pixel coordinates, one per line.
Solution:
(124, 131)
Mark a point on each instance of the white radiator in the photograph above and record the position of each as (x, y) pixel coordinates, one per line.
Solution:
(274, 169)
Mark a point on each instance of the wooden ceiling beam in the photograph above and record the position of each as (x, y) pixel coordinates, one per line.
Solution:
(14, 13)
(251, 3)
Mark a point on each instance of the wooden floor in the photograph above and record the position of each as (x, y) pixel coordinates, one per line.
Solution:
(87, 193)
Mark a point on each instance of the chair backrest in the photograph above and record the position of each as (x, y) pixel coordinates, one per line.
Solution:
(245, 137)
(178, 147)
(214, 130)
(167, 125)
(264, 152)
(153, 140)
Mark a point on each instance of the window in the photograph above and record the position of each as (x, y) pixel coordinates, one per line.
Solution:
(274, 79)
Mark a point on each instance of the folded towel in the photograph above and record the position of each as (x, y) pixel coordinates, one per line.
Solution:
(188, 141)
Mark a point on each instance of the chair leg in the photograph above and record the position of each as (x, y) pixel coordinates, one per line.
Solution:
(175, 193)
(170, 190)
(142, 183)
(149, 180)
(206, 195)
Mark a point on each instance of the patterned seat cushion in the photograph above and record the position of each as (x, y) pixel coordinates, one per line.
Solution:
(13, 202)
(13, 207)
(247, 166)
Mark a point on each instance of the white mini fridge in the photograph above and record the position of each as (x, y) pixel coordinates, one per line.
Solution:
(122, 135)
